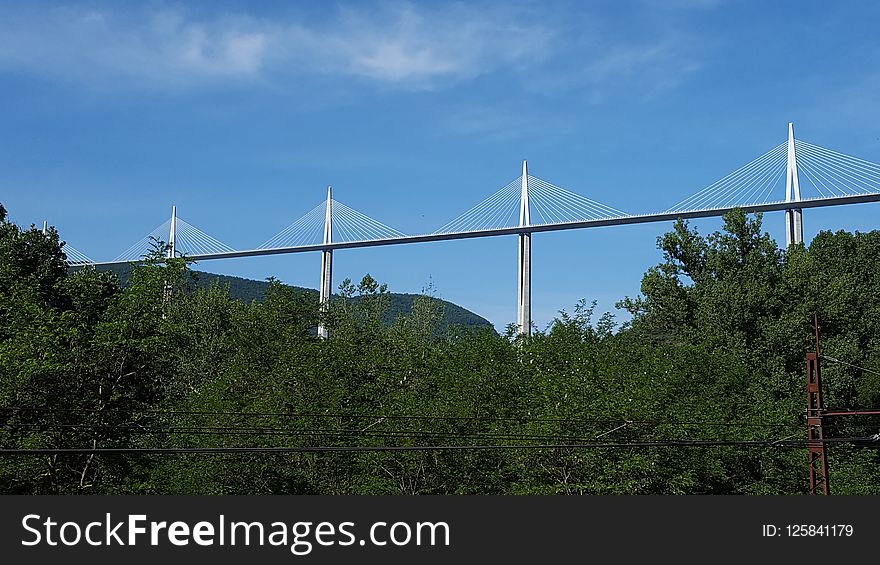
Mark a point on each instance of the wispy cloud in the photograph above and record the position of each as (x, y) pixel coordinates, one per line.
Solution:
(651, 67)
(590, 70)
(503, 124)
(398, 44)
(411, 45)
(163, 47)
(684, 4)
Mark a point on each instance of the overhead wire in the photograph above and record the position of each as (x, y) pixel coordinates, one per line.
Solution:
(791, 444)
(406, 434)
(374, 416)
(834, 360)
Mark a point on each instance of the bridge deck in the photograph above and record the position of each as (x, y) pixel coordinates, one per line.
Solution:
(614, 221)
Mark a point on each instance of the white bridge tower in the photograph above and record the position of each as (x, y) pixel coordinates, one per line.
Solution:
(326, 266)
(794, 226)
(524, 281)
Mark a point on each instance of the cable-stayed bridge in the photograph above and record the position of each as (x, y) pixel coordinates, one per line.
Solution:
(790, 177)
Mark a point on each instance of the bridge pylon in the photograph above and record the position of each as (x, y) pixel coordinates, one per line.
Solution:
(172, 232)
(326, 266)
(172, 235)
(524, 281)
(794, 226)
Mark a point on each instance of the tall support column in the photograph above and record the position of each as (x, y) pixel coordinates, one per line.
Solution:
(524, 286)
(45, 227)
(326, 266)
(172, 232)
(172, 235)
(794, 227)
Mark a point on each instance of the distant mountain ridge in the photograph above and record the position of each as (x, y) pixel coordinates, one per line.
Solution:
(248, 290)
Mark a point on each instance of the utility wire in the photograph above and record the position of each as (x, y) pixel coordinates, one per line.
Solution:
(833, 360)
(360, 434)
(394, 416)
(791, 444)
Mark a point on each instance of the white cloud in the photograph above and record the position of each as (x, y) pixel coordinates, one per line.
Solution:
(393, 45)
(684, 4)
(608, 67)
(419, 46)
(656, 66)
(503, 124)
(399, 44)
(162, 47)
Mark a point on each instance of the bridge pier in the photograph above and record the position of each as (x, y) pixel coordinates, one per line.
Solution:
(794, 225)
(325, 288)
(524, 266)
(524, 302)
(172, 235)
(172, 232)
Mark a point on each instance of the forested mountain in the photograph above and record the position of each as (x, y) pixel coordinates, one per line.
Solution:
(703, 392)
(248, 290)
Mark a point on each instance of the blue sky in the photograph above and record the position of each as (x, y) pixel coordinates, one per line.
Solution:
(241, 115)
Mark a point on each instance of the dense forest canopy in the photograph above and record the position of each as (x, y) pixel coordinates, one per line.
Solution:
(714, 351)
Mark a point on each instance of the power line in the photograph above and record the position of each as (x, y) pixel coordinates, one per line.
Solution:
(292, 432)
(396, 417)
(791, 444)
(833, 360)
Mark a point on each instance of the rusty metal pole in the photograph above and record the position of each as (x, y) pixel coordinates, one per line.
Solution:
(815, 411)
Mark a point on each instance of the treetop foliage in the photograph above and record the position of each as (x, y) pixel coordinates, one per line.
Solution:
(714, 352)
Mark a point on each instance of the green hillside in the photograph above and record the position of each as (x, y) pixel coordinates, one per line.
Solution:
(248, 290)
